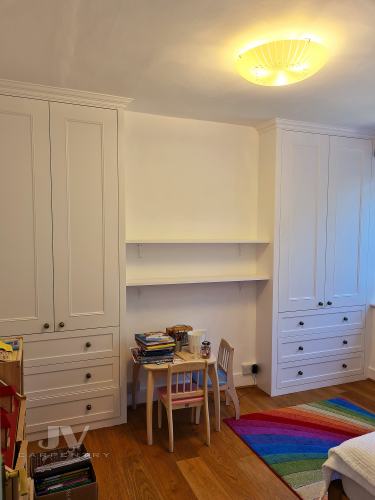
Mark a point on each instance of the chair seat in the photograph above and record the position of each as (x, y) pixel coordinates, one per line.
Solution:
(221, 375)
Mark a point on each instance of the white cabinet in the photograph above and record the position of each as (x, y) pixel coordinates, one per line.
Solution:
(347, 222)
(304, 184)
(26, 278)
(85, 216)
(59, 252)
(311, 320)
(323, 221)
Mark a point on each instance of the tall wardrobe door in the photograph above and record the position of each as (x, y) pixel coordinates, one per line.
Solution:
(26, 278)
(85, 216)
(304, 184)
(348, 221)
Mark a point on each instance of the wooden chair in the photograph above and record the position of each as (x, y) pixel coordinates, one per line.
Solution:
(225, 376)
(182, 392)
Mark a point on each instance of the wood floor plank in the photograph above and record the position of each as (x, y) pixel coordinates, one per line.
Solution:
(265, 484)
(200, 479)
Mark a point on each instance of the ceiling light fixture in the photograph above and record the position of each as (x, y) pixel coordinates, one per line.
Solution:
(282, 62)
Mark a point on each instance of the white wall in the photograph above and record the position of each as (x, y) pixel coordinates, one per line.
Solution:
(225, 310)
(193, 179)
(189, 178)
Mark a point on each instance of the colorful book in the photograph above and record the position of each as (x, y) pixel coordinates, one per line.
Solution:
(154, 338)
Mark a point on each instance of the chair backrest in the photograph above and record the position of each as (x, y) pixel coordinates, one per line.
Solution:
(180, 383)
(225, 359)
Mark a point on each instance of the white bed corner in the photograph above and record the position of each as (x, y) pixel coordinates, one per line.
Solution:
(353, 462)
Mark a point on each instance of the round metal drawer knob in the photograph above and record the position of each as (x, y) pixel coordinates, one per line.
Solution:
(300, 372)
(300, 348)
(88, 407)
(329, 303)
(88, 344)
(344, 365)
(301, 323)
(344, 342)
(320, 304)
(345, 318)
(61, 324)
(88, 375)
(46, 325)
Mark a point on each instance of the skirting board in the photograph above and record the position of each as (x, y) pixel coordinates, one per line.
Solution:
(371, 372)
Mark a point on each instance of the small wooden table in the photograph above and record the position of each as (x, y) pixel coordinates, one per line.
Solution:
(151, 369)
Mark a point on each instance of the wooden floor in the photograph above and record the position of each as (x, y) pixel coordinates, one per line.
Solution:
(127, 468)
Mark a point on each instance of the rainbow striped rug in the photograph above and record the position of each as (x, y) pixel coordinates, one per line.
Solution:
(294, 441)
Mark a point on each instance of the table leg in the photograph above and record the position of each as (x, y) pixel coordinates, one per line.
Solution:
(216, 390)
(149, 403)
(136, 368)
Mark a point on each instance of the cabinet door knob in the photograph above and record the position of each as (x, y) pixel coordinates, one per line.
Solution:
(46, 325)
(301, 323)
(300, 348)
(329, 303)
(320, 304)
(88, 407)
(61, 324)
(345, 318)
(344, 365)
(300, 372)
(88, 375)
(344, 342)
(88, 344)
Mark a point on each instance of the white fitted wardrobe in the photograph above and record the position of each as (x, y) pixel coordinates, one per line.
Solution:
(314, 187)
(60, 258)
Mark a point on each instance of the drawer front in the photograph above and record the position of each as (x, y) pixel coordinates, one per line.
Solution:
(73, 409)
(291, 349)
(318, 323)
(51, 348)
(324, 369)
(61, 378)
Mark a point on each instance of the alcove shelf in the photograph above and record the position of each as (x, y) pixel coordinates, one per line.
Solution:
(162, 241)
(194, 279)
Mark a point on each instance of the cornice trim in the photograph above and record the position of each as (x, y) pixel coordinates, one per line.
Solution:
(315, 128)
(58, 94)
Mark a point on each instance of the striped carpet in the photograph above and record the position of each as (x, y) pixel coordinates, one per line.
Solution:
(294, 441)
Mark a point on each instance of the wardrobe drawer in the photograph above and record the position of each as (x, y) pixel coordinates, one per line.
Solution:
(62, 378)
(317, 322)
(313, 370)
(72, 409)
(291, 349)
(50, 348)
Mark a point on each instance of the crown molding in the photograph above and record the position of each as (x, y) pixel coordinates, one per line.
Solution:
(58, 94)
(315, 128)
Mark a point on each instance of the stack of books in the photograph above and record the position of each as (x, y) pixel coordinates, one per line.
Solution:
(154, 347)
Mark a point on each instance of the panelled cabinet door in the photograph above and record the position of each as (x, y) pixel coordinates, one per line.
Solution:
(85, 216)
(26, 278)
(348, 221)
(304, 184)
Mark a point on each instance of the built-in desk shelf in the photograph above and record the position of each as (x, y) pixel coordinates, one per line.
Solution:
(182, 241)
(197, 279)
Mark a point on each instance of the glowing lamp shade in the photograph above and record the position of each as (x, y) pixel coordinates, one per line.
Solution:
(281, 62)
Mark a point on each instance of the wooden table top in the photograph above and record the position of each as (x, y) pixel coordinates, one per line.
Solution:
(179, 357)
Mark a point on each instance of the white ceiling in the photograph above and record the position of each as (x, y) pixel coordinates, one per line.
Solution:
(175, 57)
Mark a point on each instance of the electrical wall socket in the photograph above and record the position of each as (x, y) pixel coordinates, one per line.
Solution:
(246, 367)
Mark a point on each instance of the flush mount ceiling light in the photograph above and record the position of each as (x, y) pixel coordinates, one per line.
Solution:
(281, 62)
